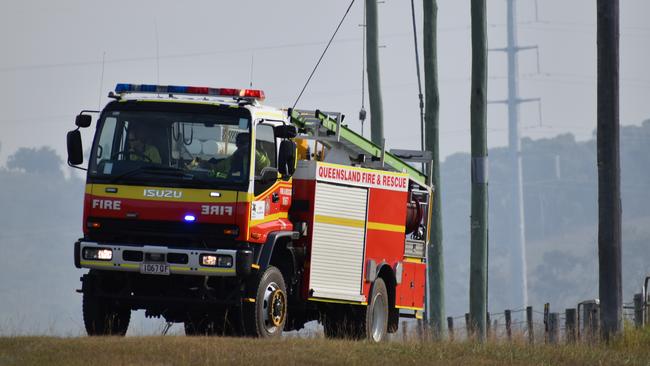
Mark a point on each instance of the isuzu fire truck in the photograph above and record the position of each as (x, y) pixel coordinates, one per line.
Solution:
(204, 206)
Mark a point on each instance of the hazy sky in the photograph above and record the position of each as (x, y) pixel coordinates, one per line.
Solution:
(52, 61)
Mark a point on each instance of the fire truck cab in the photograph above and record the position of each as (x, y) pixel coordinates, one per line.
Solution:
(200, 209)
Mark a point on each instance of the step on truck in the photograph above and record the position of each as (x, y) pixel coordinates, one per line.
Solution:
(206, 207)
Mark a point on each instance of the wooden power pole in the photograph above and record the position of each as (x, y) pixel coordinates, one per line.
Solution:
(374, 85)
(436, 296)
(478, 220)
(609, 169)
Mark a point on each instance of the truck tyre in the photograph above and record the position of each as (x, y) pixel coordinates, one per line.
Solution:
(102, 317)
(376, 317)
(266, 317)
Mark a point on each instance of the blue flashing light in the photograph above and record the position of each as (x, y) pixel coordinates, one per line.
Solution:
(190, 218)
(121, 88)
(174, 89)
(148, 88)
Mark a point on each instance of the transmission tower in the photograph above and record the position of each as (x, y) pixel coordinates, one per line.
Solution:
(517, 234)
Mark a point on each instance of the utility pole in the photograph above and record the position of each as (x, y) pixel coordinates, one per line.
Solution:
(436, 280)
(478, 220)
(517, 236)
(609, 169)
(374, 85)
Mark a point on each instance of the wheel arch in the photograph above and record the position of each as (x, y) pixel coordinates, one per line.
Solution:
(279, 252)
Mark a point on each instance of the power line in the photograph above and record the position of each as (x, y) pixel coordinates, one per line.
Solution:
(323, 54)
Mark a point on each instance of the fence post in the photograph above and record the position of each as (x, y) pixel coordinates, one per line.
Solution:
(529, 323)
(468, 326)
(547, 308)
(420, 330)
(488, 326)
(570, 324)
(591, 323)
(450, 327)
(508, 315)
(638, 310)
(553, 328)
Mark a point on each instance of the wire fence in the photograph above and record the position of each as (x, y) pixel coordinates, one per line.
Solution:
(529, 324)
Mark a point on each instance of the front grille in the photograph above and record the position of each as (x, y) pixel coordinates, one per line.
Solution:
(132, 255)
(170, 233)
(178, 258)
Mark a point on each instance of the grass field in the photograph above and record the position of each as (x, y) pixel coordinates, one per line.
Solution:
(633, 348)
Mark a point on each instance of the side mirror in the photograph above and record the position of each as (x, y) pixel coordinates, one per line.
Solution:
(268, 175)
(83, 120)
(287, 158)
(75, 153)
(285, 131)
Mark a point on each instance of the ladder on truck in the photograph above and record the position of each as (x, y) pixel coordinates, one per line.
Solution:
(327, 127)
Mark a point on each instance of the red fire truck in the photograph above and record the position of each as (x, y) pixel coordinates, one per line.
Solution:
(206, 207)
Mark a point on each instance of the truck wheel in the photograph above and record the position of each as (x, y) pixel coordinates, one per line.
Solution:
(102, 317)
(376, 326)
(265, 318)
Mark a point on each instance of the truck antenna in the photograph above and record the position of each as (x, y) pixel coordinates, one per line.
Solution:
(101, 81)
(155, 23)
(251, 73)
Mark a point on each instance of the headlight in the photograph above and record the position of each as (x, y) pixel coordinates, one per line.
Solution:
(102, 254)
(209, 260)
(212, 260)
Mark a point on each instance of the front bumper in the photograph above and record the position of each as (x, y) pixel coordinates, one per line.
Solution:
(129, 257)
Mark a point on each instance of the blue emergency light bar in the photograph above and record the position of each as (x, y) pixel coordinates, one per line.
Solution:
(190, 90)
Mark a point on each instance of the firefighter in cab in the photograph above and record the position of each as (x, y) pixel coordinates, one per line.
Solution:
(139, 147)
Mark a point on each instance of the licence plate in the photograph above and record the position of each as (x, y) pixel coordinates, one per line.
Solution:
(154, 268)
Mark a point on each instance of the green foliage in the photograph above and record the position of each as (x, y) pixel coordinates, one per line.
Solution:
(43, 161)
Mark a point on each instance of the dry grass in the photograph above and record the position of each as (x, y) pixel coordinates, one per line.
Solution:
(632, 348)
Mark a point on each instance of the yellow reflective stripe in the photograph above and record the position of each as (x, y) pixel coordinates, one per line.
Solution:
(249, 299)
(269, 218)
(186, 194)
(270, 114)
(177, 268)
(358, 223)
(338, 301)
(96, 263)
(339, 221)
(385, 227)
(129, 265)
(408, 307)
(216, 270)
(413, 260)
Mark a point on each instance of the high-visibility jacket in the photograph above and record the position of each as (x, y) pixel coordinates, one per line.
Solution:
(149, 154)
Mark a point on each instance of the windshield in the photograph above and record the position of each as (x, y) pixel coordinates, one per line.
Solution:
(154, 147)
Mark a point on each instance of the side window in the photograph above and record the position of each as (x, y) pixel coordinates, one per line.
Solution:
(265, 155)
(265, 150)
(104, 147)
